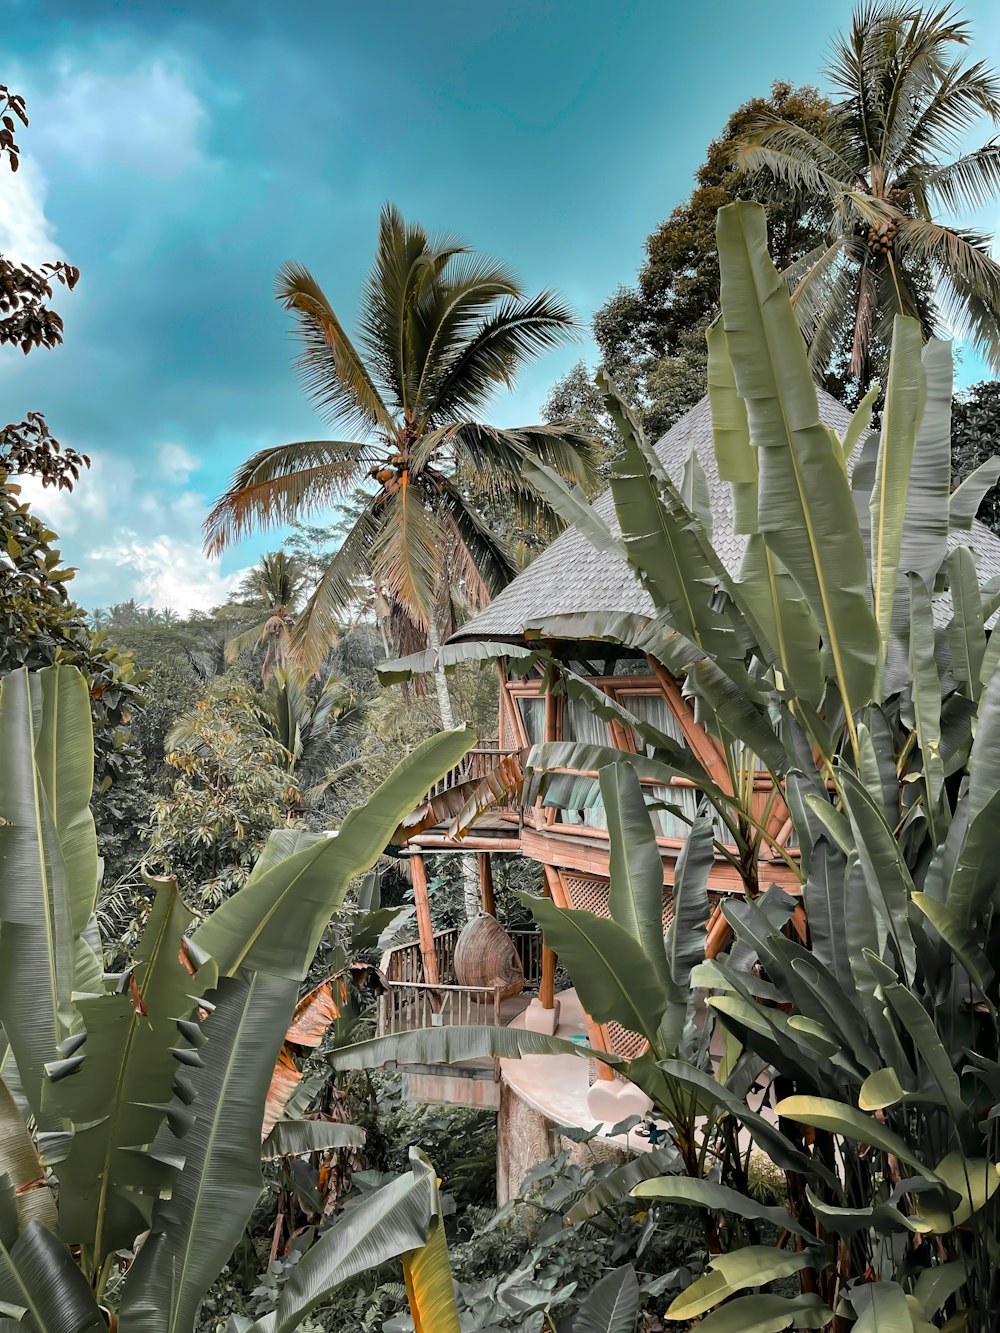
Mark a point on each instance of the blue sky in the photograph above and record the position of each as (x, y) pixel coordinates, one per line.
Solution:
(178, 154)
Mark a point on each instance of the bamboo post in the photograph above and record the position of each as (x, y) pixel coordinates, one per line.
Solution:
(486, 883)
(424, 925)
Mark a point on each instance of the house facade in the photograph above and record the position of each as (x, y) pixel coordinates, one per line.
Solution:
(547, 607)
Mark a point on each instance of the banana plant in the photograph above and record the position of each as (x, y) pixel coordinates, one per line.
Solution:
(850, 655)
(148, 1089)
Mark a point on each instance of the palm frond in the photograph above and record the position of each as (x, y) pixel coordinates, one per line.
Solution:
(973, 179)
(331, 371)
(485, 564)
(406, 555)
(340, 585)
(516, 331)
(277, 486)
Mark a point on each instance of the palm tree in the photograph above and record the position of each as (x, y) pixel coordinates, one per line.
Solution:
(440, 329)
(277, 582)
(881, 167)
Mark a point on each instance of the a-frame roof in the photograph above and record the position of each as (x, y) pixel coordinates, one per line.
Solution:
(573, 577)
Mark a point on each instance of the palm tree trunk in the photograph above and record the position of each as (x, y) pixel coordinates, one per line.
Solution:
(440, 680)
(470, 866)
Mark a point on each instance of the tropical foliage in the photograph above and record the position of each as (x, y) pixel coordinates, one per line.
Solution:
(440, 330)
(880, 169)
(147, 1090)
(848, 660)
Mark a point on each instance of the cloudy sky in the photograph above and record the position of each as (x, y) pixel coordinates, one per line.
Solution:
(179, 153)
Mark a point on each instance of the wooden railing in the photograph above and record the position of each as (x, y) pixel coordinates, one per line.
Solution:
(473, 766)
(405, 962)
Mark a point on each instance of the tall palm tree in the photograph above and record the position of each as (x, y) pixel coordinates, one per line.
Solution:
(277, 583)
(440, 329)
(884, 163)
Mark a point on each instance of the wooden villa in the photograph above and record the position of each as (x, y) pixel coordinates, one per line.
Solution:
(571, 579)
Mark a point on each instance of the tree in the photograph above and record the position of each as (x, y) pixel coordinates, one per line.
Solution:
(975, 438)
(651, 335)
(440, 330)
(276, 584)
(877, 172)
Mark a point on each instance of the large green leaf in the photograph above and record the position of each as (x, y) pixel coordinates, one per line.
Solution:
(750, 1266)
(39, 1278)
(901, 418)
(115, 1096)
(294, 1138)
(884, 866)
(968, 496)
(275, 923)
(450, 656)
(974, 1181)
(962, 941)
(19, 1163)
(718, 1199)
(612, 1305)
(966, 634)
(687, 937)
(195, 1229)
(838, 1118)
(613, 1187)
(767, 1313)
(805, 510)
(394, 1221)
(572, 504)
(881, 1307)
(925, 528)
(968, 860)
(635, 893)
(452, 1045)
(614, 978)
(45, 727)
(926, 693)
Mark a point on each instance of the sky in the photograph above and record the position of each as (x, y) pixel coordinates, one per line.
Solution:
(178, 154)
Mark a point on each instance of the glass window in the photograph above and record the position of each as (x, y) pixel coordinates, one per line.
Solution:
(532, 710)
(654, 709)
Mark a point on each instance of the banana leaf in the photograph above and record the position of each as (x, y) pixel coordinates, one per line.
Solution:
(452, 1045)
(838, 1118)
(614, 1187)
(966, 634)
(767, 1313)
(966, 498)
(717, 1199)
(448, 657)
(393, 1221)
(49, 853)
(275, 923)
(635, 892)
(430, 1287)
(295, 1138)
(750, 1266)
(116, 1095)
(20, 1165)
(805, 509)
(925, 527)
(195, 1230)
(40, 1280)
(571, 504)
(901, 419)
(966, 863)
(614, 978)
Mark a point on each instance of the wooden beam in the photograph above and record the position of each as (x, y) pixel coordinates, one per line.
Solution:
(424, 926)
(486, 883)
(707, 749)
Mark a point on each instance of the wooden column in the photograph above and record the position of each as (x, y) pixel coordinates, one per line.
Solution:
(486, 883)
(547, 986)
(424, 925)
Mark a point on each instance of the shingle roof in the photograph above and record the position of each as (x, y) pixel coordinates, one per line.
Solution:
(573, 577)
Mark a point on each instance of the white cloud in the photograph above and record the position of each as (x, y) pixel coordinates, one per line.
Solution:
(162, 566)
(26, 234)
(146, 121)
(175, 463)
(166, 571)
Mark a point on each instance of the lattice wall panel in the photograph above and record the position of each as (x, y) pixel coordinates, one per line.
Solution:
(589, 893)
